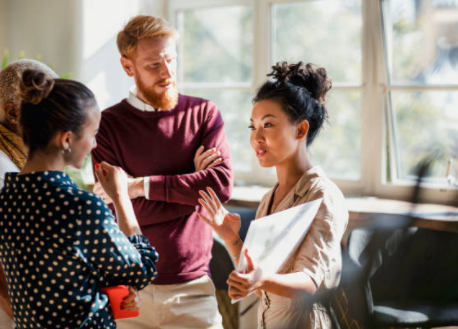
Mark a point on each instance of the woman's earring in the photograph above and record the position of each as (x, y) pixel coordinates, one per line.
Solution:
(68, 149)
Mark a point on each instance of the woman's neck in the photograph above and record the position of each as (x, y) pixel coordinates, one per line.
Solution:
(289, 172)
(41, 161)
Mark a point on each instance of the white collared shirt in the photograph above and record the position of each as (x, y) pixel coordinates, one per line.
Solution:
(138, 103)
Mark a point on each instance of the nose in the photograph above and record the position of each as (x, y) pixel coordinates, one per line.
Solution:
(168, 70)
(257, 136)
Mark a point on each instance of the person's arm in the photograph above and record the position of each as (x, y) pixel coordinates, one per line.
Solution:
(4, 297)
(121, 260)
(290, 285)
(226, 225)
(158, 211)
(184, 189)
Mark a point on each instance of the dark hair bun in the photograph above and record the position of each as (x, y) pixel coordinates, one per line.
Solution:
(35, 86)
(308, 76)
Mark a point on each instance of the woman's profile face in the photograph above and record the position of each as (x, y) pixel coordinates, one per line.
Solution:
(85, 142)
(273, 136)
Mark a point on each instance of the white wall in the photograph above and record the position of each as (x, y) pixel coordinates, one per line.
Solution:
(46, 28)
(2, 27)
(74, 36)
(102, 70)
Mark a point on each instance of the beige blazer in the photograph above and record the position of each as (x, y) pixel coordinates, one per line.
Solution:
(318, 255)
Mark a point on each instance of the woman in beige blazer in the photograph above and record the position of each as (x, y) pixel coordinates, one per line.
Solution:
(287, 115)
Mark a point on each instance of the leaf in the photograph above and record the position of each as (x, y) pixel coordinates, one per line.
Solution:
(5, 58)
(21, 54)
(67, 76)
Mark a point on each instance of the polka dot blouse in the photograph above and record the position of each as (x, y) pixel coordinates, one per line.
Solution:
(59, 245)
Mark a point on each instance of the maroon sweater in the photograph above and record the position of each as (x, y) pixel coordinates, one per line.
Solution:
(162, 145)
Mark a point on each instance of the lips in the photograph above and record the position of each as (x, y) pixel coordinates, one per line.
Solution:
(260, 152)
(165, 83)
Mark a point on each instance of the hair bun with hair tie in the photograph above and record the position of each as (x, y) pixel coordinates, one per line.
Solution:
(35, 86)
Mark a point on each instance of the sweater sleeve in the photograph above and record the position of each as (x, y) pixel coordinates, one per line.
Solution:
(105, 152)
(184, 188)
(119, 260)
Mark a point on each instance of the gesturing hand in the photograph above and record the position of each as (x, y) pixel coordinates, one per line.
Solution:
(242, 284)
(225, 224)
(113, 181)
(206, 160)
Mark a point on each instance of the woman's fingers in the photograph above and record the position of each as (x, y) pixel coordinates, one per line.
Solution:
(132, 301)
(214, 198)
(205, 219)
(210, 211)
(235, 294)
(208, 201)
(250, 264)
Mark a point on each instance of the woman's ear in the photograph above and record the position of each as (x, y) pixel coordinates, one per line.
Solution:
(302, 129)
(64, 140)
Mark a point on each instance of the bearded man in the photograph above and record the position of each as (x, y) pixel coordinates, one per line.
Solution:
(174, 145)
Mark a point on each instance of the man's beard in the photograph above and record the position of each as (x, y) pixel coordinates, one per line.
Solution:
(165, 101)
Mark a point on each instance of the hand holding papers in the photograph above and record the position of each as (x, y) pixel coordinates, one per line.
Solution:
(272, 239)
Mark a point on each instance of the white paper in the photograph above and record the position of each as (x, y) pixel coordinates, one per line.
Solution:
(270, 240)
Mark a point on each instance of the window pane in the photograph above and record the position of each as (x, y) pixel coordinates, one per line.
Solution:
(217, 44)
(235, 107)
(327, 33)
(337, 148)
(426, 124)
(421, 41)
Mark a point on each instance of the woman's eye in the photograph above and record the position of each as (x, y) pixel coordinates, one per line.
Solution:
(267, 125)
(251, 127)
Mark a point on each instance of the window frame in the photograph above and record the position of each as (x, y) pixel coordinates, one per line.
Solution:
(375, 96)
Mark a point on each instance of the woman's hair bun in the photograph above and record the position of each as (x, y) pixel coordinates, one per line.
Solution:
(35, 86)
(308, 76)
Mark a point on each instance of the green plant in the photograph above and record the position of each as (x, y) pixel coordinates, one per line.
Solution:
(6, 57)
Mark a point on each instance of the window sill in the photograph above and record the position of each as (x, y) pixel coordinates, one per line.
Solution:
(365, 210)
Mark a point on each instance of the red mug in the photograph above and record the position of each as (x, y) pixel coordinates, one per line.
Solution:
(116, 295)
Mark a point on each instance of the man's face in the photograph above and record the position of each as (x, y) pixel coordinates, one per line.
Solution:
(153, 65)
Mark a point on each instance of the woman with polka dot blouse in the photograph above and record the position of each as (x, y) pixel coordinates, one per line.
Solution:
(60, 245)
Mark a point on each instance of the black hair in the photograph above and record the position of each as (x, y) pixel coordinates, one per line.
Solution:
(301, 90)
(50, 106)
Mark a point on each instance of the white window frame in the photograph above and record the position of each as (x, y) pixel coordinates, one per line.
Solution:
(374, 95)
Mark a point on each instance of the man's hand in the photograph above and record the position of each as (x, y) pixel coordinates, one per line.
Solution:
(206, 160)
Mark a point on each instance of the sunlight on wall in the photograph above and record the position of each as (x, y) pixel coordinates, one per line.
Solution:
(98, 85)
(102, 20)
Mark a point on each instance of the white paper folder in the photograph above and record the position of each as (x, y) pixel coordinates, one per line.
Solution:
(270, 240)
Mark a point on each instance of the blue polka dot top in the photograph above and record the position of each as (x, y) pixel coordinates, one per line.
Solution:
(59, 245)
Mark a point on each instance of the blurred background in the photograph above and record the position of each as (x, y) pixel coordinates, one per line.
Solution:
(394, 65)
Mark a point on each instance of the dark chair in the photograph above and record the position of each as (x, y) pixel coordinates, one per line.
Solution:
(222, 264)
(404, 277)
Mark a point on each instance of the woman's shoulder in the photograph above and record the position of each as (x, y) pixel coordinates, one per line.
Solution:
(315, 183)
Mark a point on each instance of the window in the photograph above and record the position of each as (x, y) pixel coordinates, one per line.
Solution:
(421, 50)
(394, 65)
(216, 50)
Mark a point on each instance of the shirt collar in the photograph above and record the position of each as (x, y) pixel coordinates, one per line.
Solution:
(305, 182)
(138, 103)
